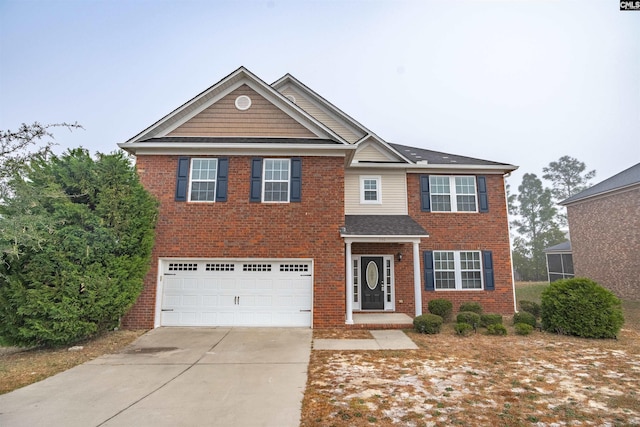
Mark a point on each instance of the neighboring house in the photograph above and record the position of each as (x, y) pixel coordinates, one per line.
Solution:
(559, 261)
(604, 222)
(278, 209)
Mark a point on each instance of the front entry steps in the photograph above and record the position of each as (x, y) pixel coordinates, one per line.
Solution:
(381, 321)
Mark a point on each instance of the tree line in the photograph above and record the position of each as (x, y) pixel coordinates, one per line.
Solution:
(538, 220)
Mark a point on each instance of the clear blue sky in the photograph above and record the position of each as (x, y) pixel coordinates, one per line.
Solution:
(521, 82)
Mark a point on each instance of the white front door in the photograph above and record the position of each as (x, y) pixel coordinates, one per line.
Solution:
(235, 293)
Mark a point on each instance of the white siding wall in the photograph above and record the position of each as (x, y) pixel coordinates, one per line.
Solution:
(394, 193)
(370, 153)
(320, 115)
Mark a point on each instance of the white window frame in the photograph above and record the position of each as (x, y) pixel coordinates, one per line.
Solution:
(458, 271)
(192, 180)
(453, 195)
(265, 180)
(378, 190)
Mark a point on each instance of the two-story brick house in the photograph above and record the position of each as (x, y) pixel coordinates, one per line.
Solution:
(278, 209)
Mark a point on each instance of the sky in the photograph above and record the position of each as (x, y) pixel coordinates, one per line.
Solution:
(521, 82)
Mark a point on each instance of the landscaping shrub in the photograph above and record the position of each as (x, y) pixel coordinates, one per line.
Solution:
(463, 329)
(523, 328)
(427, 323)
(469, 317)
(79, 265)
(471, 306)
(441, 307)
(524, 317)
(582, 308)
(496, 329)
(531, 307)
(490, 319)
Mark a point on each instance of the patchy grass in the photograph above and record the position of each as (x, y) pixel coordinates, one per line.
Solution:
(540, 380)
(631, 310)
(530, 291)
(19, 368)
(351, 334)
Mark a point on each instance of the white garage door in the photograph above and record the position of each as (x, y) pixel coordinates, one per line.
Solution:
(236, 293)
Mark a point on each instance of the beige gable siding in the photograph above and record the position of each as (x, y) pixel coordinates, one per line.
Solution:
(371, 154)
(321, 115)
(262, 119)
(394, 193)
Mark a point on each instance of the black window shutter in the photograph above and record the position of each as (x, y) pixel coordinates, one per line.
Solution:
(296, 180)
(425, 201)
(256, 180)
(222, 180)
(429, 277)
(182, 179)
(483, 200)
(487, 264)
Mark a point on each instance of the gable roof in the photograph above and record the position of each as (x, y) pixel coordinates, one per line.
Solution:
(225, 86)
(625, 179)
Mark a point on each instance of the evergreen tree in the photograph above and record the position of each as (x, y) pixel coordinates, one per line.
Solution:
(537, 228)
(76, 235)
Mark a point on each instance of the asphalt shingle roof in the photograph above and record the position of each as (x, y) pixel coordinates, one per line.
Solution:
(382, 225)
(625, 178)
(562, 247)
(438, 158)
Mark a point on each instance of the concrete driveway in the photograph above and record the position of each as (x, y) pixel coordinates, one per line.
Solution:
(176, 377)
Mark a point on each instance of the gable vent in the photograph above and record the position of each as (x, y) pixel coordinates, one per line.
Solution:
(243, 102)
(291, 98)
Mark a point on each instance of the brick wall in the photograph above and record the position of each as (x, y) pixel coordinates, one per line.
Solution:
(605, 241)
(239, 229)
(469, 231)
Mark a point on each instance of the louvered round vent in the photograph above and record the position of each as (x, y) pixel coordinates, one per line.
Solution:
(243, 102)
(291, 98)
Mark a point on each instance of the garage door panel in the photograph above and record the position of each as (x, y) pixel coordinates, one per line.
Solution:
(231, 293)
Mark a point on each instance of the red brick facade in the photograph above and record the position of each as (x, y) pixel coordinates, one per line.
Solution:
(605, 241)
(469, 231)
(240, 229)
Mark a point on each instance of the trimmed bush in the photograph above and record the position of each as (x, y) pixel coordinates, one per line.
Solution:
(524, 317)
(427, 323)
(441, 307)
(463, 329)
(496, 329)
(531, 307)
(469, 317)
(490, 319)
(582, 308)
(471, 306)
(523, 328)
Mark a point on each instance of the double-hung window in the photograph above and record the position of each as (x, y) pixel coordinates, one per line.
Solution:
(276, 180)
(202, 180)
(453, 193)
(459, 270)
(370, 189)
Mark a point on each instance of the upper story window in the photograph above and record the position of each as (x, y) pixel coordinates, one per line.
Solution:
(457, 270)
(370, 189)
(276, 180)
(453, 193)
(202, 180)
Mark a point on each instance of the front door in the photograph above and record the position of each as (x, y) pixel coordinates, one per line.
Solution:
(372, 280)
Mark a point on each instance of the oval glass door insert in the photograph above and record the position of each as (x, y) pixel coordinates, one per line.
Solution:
(372, 275)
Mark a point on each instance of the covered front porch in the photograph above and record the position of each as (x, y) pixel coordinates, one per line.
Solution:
(375, 246)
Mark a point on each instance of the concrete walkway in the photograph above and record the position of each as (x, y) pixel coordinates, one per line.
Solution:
(176, 377)
(382, 340)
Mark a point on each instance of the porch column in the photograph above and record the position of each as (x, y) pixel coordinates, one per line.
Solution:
(348, 263)
(417, 288)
